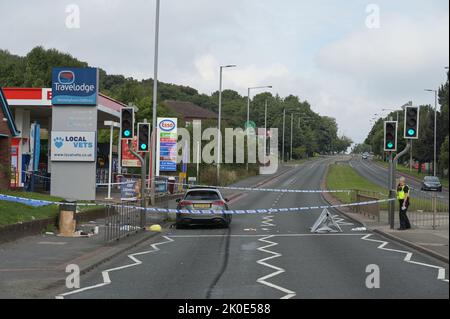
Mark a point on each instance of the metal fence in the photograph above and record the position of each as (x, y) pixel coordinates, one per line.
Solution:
(425, 210)
(122, 220)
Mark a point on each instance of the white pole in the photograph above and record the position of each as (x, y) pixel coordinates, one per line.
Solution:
(110, 161)
(155, 101)
(219, 137)
(292, 123)
(198, 161)
(265, 130)
(284, 126)
(435, 131)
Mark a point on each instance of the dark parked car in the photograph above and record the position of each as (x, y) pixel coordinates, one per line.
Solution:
(431, 183)
(203, 199)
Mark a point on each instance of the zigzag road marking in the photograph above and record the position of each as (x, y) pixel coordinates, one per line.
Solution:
(262, 280)
(342, 221)
(441, 271)
(267, 222)
(105, 273)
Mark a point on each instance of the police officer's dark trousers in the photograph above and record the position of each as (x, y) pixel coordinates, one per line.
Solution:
(404, 220)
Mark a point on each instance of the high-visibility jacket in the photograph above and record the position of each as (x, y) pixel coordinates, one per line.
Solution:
(401, 194)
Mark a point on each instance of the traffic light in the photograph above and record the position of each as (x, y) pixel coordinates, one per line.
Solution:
(143, 137)
(412, 122)
(390, 136)
(127, 123)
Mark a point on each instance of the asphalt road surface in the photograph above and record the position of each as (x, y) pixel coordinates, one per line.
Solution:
(267, 256)
(379, 176)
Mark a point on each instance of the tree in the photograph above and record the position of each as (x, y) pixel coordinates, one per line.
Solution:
(443, 158)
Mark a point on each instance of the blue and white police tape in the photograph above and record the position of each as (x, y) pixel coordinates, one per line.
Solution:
(41, 202)
(200, 212)
(253, 211)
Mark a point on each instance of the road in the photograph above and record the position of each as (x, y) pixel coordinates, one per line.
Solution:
(267, 256)
(379, 175)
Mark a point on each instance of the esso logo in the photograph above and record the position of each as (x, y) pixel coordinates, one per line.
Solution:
(167, 125)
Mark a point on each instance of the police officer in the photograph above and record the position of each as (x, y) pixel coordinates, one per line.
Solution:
(403, 200)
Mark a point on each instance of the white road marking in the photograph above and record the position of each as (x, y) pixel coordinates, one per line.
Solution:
(342, 221)
(264, 235)
(262, 280)
(52, 243)
(267, 222)
(105, 273)
(441, 271)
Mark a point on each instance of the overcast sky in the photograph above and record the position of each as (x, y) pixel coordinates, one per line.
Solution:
(334, 53)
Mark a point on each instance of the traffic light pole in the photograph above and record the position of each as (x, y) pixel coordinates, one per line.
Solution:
(392, 187)
(143, 180)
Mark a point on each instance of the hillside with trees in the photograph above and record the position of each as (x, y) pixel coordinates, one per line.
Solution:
(314, 134)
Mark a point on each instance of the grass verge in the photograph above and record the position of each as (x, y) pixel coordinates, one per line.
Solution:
(342, 176)
(414, 173)
(13, 213)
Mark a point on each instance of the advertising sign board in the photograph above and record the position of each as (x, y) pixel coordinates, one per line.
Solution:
(166, 145)
(128, 159)
(73, 146)
(74, 86)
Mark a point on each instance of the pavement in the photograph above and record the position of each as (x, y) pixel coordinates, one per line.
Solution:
(434, 242)
(268, 256)
(32, 267)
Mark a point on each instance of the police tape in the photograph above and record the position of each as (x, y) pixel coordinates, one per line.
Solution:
(271, 190)
(201, 212)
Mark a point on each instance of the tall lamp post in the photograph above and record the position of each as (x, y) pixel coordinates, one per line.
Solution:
(155, 101)
(435, 127)
(112, 125)
(219, 134)
(248, 110)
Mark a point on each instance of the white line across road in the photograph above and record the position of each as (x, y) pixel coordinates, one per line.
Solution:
(264, 235)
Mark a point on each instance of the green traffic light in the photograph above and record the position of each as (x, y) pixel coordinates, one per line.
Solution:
(390, 145)
(127, 133)
(144, 146)
(411, 132)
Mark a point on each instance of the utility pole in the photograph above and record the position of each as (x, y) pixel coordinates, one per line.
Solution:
(292, 132)
(155, 102)
(284, 125)
(143, 182)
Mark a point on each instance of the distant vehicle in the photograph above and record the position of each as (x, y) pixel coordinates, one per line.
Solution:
(203, 198)
(365, 156)
(431, 183)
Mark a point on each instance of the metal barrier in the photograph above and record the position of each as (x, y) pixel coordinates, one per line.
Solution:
(122, 220)
(429, 211)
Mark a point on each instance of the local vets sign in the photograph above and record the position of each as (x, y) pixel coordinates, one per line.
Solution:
(74, 86)
(73, 146)
(167, 137)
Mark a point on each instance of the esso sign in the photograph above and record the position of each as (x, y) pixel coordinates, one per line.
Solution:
(167, 125)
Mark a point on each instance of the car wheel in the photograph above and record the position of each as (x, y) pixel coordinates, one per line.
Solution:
(180, 226)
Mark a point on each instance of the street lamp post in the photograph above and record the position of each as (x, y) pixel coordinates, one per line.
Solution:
(284, 126)
(435, 128)
(111, 124)
(219, 134)
(155, 101)
(248, 111)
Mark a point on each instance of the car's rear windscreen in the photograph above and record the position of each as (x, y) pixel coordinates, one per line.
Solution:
(202, 195)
